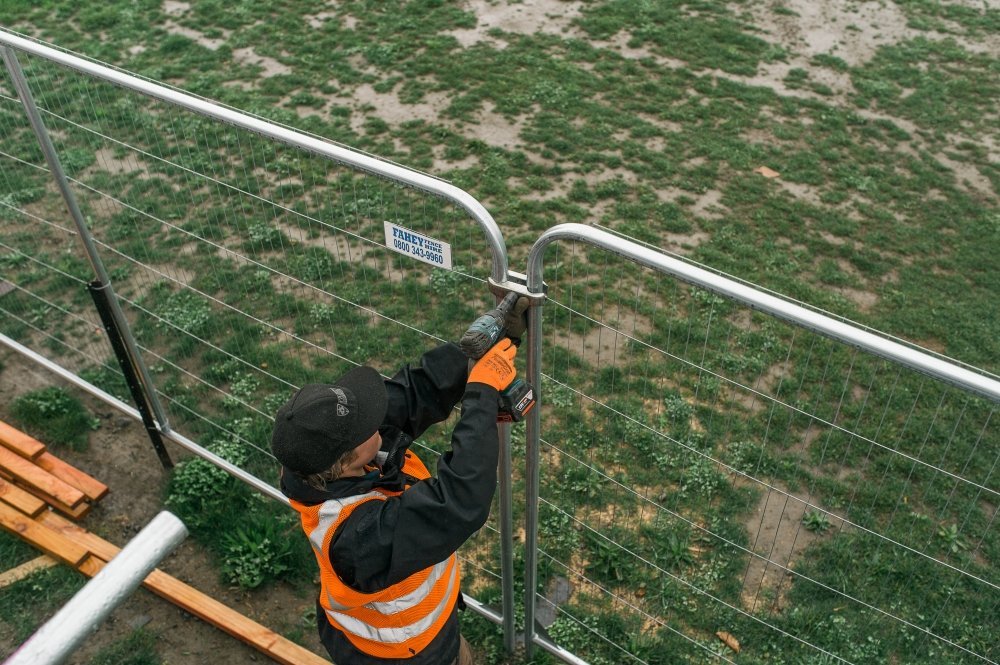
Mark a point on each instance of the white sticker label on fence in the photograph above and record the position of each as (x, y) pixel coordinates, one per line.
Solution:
(421, 247)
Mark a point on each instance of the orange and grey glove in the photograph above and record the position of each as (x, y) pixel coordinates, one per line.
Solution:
(496, 367)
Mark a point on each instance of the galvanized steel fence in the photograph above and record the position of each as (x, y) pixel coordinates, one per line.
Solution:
(720, 467)
(709, 465)
(246, 258)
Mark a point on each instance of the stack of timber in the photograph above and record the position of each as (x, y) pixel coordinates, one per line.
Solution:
(40, 495)
(27, 468)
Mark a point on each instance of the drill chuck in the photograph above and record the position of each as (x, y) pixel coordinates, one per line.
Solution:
(488, 329)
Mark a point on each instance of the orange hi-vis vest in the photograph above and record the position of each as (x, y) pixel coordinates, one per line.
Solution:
(398, 621)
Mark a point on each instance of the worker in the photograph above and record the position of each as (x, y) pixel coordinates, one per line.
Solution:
(383, 530)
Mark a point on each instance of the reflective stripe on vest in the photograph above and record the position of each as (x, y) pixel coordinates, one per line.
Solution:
(396, 622)
(391, 635)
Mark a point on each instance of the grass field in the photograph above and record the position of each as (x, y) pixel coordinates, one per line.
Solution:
(878, 127)
(631, 115)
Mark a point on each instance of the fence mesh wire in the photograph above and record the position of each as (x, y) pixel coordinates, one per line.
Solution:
(43, 273)
(712, 476)
(245, 267)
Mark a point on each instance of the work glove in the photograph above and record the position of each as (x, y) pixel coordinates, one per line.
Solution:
(516, 321)
(496, 367)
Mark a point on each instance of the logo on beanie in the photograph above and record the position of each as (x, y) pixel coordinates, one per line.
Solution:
(342, 400)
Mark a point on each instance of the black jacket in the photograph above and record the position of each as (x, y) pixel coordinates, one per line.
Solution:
(383, 542)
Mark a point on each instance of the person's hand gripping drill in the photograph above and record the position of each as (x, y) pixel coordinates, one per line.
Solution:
(506, 320)
(496, 367)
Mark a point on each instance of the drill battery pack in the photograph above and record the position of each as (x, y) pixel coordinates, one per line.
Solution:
(516, 400)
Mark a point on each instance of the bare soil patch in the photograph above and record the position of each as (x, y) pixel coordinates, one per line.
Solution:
(603, 345)
(850, 30)
(542, 16)
(778, 536)
(211, 43)
(269, 66)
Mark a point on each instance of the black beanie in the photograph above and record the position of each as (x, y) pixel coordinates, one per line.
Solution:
(322, 421)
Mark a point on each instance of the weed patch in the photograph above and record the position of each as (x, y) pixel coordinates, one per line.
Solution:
(137, 648)
(55, 417)
(255, 540)
(28, 603)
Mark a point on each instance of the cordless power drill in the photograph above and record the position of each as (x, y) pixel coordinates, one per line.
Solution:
(517, 399)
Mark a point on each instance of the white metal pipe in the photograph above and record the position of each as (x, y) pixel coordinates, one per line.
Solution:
(63, 633)
(315, 145)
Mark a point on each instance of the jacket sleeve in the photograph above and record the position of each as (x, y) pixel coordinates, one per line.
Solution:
(384, 542)
(421, 396)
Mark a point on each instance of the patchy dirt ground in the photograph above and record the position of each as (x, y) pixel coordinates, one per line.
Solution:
(121, 455)
(778, 536)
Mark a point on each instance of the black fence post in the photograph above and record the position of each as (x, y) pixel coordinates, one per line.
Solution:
(99, 292)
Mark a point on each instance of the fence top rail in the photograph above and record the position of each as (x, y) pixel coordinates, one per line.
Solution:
(318, 146)
(979, 384)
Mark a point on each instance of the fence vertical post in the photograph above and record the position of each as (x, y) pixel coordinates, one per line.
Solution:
(505, 499)
(506, 537)
(101, 300)
(102, 280)
(532, 458)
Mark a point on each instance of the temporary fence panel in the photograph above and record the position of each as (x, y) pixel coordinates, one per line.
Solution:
(248, 259)
(714, 480)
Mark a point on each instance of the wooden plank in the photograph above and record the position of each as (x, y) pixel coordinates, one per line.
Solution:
(47, 500)
(18, 573)
(42, 537)
(286, 651)
(195, 602)
(94, 489)
(38, 478)
(22, 444)
(91, 566)
(92, 542)
(27, 503)
(229, 620)
(74, 513)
